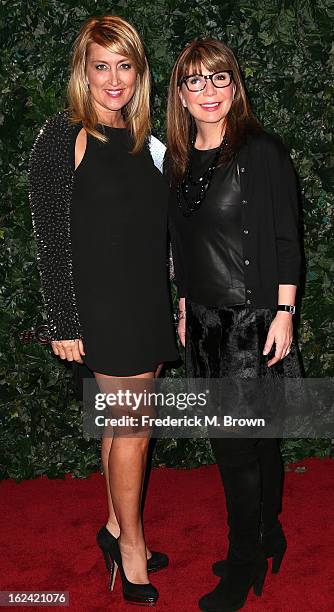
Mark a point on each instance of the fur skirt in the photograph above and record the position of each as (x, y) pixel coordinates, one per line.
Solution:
(229, 341)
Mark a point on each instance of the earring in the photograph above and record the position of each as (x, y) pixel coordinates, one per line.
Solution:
(184, 103)
(234, 89)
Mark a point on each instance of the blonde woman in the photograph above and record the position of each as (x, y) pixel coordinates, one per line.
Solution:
(99, 208)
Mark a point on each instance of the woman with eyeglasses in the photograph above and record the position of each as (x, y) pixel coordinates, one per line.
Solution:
(237, 260)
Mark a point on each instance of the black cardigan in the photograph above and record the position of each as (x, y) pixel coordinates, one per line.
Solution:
(270, 222)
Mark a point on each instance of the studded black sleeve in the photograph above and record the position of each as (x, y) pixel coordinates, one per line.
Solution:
(50, 192)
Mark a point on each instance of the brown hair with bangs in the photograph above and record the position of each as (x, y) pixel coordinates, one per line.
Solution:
(118, 36)
(215, 56)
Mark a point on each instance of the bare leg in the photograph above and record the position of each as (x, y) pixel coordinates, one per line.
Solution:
(112, 524)
(124, 460)
(126, 469)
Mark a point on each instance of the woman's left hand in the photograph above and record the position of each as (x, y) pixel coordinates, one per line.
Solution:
(280, 332)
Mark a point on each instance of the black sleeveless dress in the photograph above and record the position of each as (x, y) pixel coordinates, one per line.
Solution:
(119, 246)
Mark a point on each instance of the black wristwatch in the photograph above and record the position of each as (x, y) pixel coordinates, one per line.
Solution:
(284, 307)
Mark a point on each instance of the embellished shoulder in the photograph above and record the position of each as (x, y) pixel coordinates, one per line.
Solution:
(56, 132)
(57, 123)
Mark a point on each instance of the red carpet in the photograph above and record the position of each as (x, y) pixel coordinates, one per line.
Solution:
(47, 539)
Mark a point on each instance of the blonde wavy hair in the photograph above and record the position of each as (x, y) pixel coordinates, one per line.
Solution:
(118, 36)
(215, 56)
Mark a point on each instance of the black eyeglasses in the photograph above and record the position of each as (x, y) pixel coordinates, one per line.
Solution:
(197, 82)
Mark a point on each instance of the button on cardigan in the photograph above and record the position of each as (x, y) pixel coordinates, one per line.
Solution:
(270, 222)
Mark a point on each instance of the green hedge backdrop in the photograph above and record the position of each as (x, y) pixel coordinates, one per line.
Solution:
(285, 50)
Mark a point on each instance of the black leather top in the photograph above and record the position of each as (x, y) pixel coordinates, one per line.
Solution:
(209, 241)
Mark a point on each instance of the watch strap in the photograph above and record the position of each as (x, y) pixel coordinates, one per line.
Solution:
(287, 308)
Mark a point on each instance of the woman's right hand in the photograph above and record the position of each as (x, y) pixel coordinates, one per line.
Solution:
(68, 349)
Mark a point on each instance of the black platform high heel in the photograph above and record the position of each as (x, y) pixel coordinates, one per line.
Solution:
(141, 594)
(107, 543)
(106, 540)
(273, 544)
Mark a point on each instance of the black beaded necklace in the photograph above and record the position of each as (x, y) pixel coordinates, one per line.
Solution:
(189, 205)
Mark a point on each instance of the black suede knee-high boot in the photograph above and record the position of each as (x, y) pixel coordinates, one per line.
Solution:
(246, 565)
(241, 475)
(272, 538)
(272, 471)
